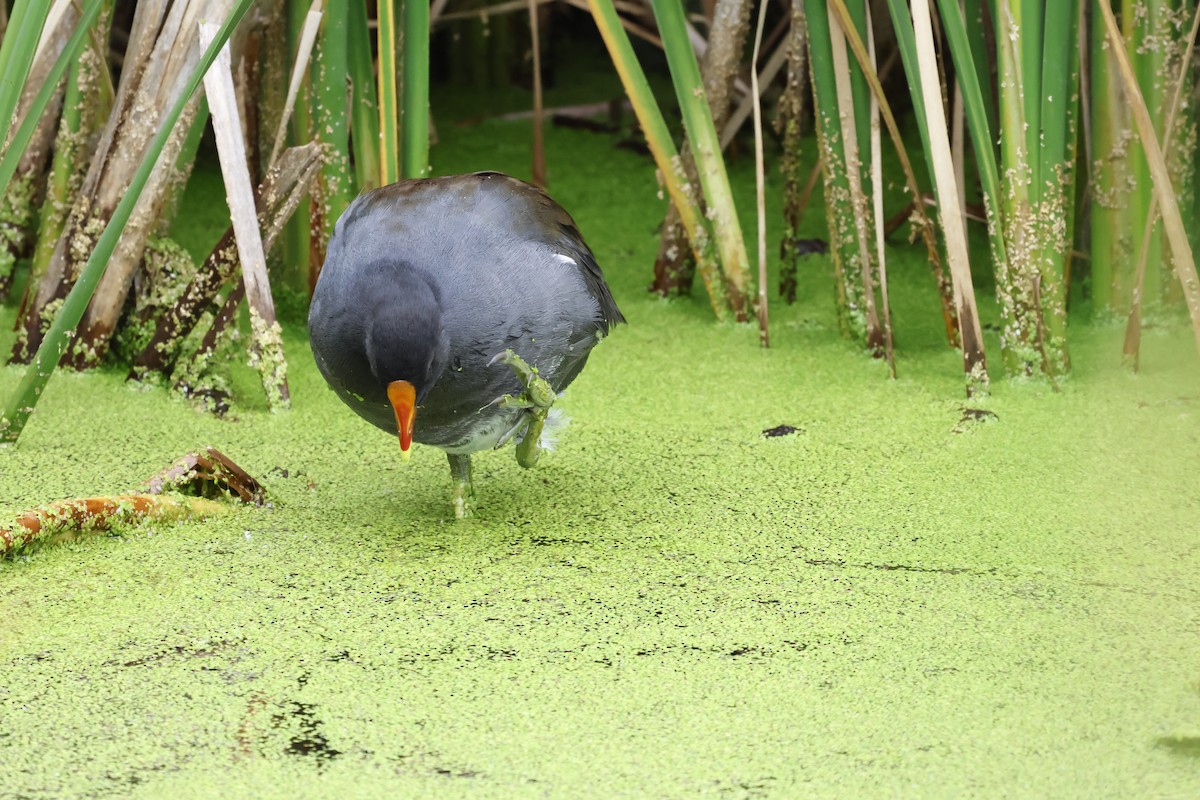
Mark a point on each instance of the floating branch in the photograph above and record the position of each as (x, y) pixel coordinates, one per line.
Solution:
(207, 476)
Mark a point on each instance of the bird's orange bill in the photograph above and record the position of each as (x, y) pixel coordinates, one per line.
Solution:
(403, 396)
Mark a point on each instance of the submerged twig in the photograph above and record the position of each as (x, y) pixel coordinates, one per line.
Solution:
(208, 475)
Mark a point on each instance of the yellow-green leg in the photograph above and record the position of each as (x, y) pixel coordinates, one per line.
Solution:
(536, 400)
(463, 495)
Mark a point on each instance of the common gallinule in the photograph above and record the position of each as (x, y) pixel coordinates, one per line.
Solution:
(453, 310)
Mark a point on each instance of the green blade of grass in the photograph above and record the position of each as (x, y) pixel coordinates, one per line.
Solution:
(974, 14)
(29, 390)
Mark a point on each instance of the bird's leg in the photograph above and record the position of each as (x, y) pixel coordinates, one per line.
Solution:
(537, 400)
(464, 492)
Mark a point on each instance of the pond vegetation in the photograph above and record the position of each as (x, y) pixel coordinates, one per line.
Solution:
(745, 571)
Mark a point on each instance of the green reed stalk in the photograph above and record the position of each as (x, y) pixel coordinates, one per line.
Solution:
(838, 209)
(63, 169)
(330, 70)
(389, 103)
(1055, 170)
(975, 13)
(364, 105)
(706, 148)
(854, 120)
(416, 89)
(1111, 280)
(662, 148)
(1174, 130)
(29, 390)
(1142, 23)
(296, 243)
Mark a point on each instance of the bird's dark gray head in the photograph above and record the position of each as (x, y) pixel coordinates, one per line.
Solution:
(405, 339)
(406, 344)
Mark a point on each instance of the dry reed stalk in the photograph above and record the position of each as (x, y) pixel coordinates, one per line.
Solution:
(308, 35)
(239, 192)
(791, 112)
(277, 198)
(1133, 326)
(19, 199)
(877, 208)
(538, 171)
(760, 182)
(974, 361)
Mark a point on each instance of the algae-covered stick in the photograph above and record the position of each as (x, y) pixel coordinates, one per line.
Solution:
(66, 518)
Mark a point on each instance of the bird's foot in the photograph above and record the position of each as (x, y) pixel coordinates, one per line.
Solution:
(536, 400)
(463, 492)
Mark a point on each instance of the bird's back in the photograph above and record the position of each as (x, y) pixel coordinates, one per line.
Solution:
(510, 270)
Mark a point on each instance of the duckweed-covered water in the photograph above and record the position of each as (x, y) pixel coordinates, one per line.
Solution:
(894, 600)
